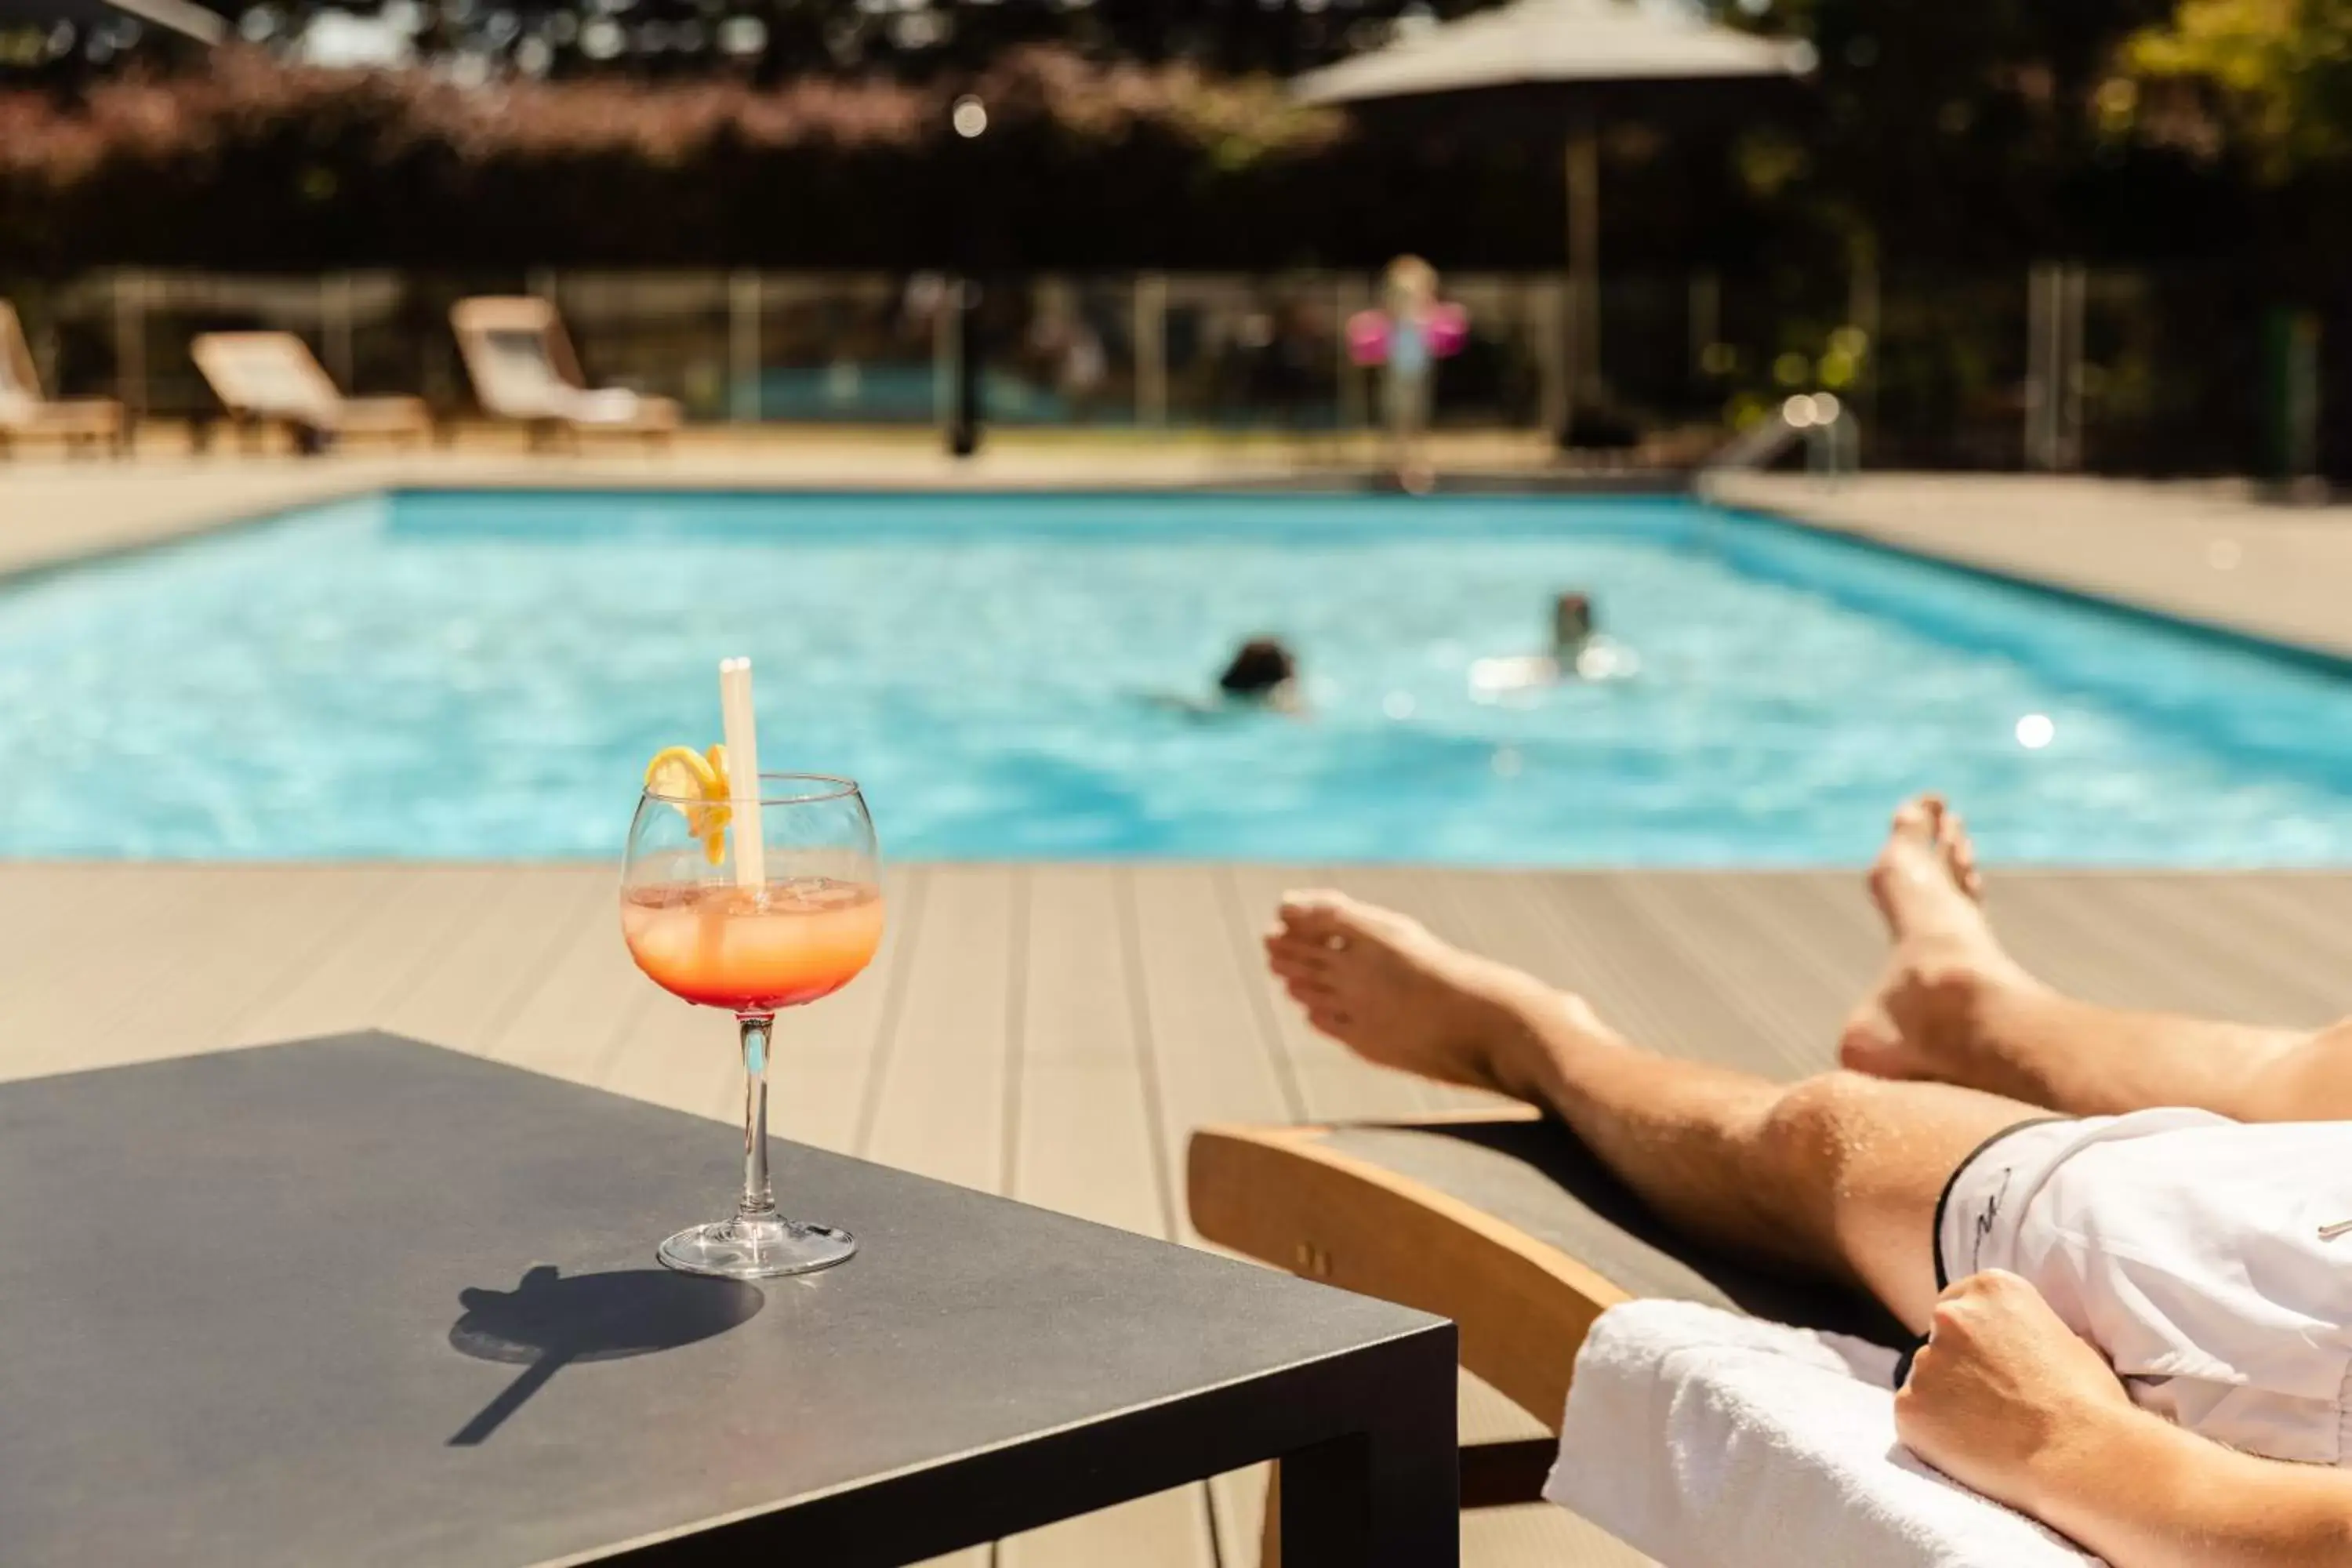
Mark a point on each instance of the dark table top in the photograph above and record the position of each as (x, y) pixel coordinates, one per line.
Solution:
(364, 1301)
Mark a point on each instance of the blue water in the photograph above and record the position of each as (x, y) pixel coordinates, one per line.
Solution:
(484, 676)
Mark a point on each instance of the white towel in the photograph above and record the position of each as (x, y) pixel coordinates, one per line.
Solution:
(1703, 1439)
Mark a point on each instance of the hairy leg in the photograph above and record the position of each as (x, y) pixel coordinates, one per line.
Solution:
(1953, 1006)
(1838, 1174)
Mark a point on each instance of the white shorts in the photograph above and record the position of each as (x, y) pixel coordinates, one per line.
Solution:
(2198, 1254)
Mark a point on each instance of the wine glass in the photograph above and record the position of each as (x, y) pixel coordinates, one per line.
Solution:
(803, 930)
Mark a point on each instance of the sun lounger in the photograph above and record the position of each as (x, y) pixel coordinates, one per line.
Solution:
(1502, 1221)
(272, 378)
(524, 369)
(24, 411)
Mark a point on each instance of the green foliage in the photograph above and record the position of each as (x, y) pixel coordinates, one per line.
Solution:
(256, 164)
(2274, 76)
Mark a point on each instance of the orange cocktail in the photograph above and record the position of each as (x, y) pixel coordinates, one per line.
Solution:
(752, 892)
(753, 950)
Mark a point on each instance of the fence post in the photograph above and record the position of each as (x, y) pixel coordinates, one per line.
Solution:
(130, 344)
(1584, 267)
(1554, 395)
(2053, 367)
(1351, 295)
(2040, 401)
(335, 326)
(1863, 311)
(1151, 349)
(2072, 281)
(744, 346)
(1706, 318)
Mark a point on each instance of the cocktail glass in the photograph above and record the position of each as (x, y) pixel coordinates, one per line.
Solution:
(804, 931)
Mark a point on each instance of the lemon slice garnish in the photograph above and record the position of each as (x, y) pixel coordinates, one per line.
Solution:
(682, 773)
(684, 776)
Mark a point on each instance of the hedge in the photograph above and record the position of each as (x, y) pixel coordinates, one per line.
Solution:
(255, 164)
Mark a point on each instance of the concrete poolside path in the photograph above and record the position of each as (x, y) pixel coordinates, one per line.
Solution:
(2210, 550)
(1055, 1032)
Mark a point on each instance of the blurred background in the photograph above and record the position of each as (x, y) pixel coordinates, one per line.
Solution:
(2094, 236)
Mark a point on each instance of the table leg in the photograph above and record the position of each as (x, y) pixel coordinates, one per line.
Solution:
(1385, 1498)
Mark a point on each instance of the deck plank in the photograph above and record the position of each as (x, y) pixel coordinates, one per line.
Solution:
(501, 948)
(1084, 1141)
(388, 952)
(78, 949)
(1205, 1021)
(1646, 983)
(1084, 1144)
(2246, 964)
(937, 1105)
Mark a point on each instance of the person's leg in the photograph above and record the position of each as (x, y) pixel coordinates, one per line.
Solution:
(1953, 1006)
(1838, 1174)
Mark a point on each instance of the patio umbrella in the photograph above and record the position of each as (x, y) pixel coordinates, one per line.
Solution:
(180, 16)
(1572, 63)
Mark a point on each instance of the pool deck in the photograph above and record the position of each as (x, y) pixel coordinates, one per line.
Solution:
(1055, 1031)
(2214, 551)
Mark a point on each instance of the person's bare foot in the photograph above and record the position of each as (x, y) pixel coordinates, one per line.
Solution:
(1382, 986)
(1917, 1021)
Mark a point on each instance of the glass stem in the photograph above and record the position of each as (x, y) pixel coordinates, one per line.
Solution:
(758, 1201)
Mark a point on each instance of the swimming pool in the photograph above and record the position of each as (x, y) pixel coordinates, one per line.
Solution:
(483, 676)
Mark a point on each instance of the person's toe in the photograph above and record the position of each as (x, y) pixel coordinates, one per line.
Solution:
(1870, 1043)
(1300, 929)
(1312, 994)
(1302, 962)
(1921, 815)
(1960, 856)
(1312, 907)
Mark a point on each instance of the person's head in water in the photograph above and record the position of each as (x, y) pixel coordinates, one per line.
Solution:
(1572, 622)
(1261, 667)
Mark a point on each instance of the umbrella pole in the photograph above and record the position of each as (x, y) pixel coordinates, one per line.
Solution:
(1583, 265)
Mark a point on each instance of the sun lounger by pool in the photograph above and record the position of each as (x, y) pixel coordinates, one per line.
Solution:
(272, 378)
(1501, 1220)
(524, 370)
(24, 411)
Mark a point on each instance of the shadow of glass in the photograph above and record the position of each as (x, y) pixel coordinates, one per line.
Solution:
(548, 1321)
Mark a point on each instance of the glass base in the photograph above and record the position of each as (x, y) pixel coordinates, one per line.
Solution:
(766, 1248)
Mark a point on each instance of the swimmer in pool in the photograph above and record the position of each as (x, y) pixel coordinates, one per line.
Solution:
(1579, 652)
(1263, 673)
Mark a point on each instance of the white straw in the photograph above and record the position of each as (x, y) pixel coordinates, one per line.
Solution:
(742, 770)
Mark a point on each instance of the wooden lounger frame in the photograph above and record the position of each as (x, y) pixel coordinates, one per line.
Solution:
(1282, 1196)
(73, 420)
(476, 318)
(399, 419)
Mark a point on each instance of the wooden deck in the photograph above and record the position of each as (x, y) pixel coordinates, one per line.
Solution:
(1055, 1031)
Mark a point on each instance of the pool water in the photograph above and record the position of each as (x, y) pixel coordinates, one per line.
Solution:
(484, 675)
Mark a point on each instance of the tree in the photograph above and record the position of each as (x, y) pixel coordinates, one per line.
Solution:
(2273, 76)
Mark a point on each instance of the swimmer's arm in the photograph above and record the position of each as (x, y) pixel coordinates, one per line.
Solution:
(2143, 1493)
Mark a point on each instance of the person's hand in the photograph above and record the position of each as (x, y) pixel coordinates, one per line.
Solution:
(2003, 1395)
